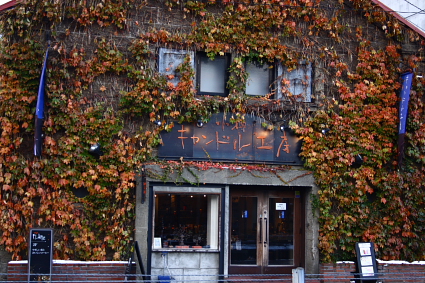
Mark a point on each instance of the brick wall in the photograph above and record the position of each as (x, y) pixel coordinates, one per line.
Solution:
(73, 271)
(113, 271)
(331, 272)
(389, 272)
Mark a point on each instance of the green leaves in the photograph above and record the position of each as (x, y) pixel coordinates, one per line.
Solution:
(104, 89)
(375, 201)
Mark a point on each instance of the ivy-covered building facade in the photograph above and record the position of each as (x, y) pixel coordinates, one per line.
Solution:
(225, 137)
(210, 217)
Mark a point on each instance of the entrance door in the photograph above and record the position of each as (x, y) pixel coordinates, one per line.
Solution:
(266, 232)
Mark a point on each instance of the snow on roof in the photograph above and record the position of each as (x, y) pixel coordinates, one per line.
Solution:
(409, 12)
(6, 4)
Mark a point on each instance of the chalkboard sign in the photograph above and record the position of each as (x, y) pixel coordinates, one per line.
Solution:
(40, 255)
(366, 262)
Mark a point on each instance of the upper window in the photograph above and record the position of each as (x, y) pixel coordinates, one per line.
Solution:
(296, 84)
(186, 218)
(259, 79)
(169, 60)
(212, 74)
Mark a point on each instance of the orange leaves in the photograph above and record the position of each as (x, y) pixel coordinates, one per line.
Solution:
(6, 187)
(63, 182)
(374, 199)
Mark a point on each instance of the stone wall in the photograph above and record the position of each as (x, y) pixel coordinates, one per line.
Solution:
(5, 257)
(186, 267)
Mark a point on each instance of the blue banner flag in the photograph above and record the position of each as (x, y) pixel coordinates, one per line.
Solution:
(39, 111)
(404, 101)
(404, 106)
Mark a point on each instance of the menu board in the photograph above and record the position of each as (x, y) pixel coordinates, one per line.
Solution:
(40, 255)
(366, 262)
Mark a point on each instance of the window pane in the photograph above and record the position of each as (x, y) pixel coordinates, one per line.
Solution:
(169, 60)
(244, 231)
(296, 84)
(258, 80)
(281, 232)
(186, 220)
(213, 75)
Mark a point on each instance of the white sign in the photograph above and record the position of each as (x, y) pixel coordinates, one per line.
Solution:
(157, 243)
(367, 270)
(364, 245)
(365, 251)
(366, 260)
(281, 206)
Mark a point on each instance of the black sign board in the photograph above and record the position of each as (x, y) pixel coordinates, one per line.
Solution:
(220, 140)
(40, 255)
(367, 269)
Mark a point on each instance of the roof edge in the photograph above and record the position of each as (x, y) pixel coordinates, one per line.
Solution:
(7, 5)
(400, 18)
(12, 3)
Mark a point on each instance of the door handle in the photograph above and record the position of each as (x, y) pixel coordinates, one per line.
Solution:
(266, 231)
(261, 230)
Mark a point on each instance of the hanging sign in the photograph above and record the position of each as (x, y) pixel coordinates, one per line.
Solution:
(404, 101)
(220, 140)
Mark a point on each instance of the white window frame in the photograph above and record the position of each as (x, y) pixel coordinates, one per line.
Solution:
(300, 82)
(213, 211)
(170, 59)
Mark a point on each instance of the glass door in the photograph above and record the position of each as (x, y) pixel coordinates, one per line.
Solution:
(280, 232)
(266, 235)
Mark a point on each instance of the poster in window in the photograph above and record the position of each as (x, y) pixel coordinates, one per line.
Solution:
(280, 206)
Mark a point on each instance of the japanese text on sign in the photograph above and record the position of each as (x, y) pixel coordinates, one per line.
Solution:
(221, 140)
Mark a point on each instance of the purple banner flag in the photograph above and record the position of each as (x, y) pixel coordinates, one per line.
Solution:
(404, 106)
(39, 111)
(404, 101)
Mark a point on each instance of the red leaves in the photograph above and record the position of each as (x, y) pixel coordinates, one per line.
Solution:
(378, 198)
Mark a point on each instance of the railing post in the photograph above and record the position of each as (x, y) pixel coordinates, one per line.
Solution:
(298, 275)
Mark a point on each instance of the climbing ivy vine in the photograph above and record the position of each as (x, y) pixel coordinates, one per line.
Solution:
(103, 88)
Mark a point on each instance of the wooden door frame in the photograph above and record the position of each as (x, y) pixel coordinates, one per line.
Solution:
(264, 192)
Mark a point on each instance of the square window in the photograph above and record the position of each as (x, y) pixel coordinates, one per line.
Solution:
(212, 74)
(186, 219)
(259, 79)
(296, 84)
(170, 59)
